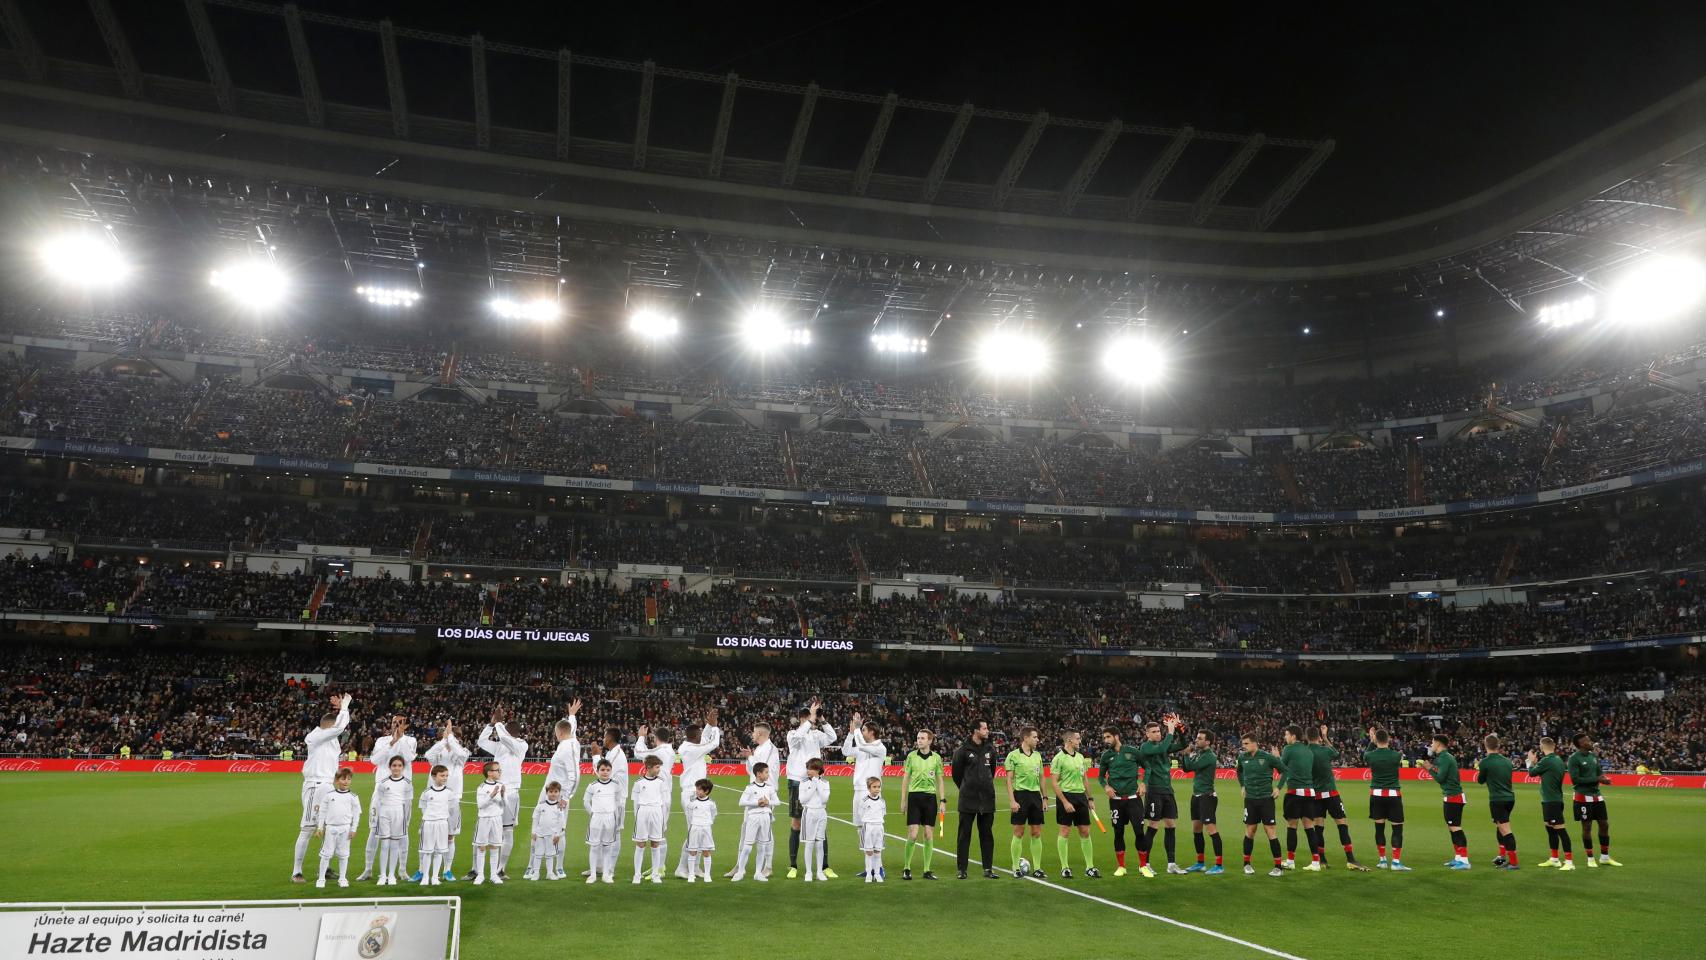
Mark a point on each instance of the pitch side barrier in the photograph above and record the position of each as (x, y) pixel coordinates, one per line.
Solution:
(116, 451)
(1693, 781)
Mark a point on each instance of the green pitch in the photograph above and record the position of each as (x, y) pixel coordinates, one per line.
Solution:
(114, 836)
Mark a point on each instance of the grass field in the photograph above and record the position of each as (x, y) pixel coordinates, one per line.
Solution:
(115, 836)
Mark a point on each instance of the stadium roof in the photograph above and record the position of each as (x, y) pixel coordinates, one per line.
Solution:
(375, 188)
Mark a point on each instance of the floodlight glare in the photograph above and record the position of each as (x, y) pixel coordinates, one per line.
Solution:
(763, 330)
(252, 284)
(1656, 290)
(389, 296)
(1007, 354)
(84, 260)
(653, 325)
(1135, 360)
(539, 309)
(1569, 313)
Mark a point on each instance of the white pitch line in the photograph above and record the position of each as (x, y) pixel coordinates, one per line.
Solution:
(1270, 951)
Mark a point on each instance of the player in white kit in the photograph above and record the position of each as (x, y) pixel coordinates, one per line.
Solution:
(565, 769)
(396, 743)
(701, 831)
(651, 812)
(550, 821)
(489, 827)
(337, 814)
(509, 752)
(436, 804)
(319, 766)
(758, 824)
(449, 753)
(806, 742)
(814, 818)
(603, 800)
(868, 755)
(869, 812)
(394, 796)
(700, 743)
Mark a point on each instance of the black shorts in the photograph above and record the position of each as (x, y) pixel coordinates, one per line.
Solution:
(1128, 811)
(1080, 815)
(795, 810)
(1333, 806)
(1590, 810)
(1258, 811)
(1501, 810)
(1386, 808)
(1453, 814)
(1161, 807)
(1203, 807)
(921, 809)
(1298, 807)
(1552, 813)
(1030, 808)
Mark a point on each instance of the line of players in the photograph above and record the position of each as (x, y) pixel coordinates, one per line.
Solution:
(1137, 781)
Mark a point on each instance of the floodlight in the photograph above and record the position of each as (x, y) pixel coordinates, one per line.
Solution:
(653, 325)
(389, 296)
(252, 284)
(1656, 290)
(1569, 312)
(84, 260)
(1135, 360)
(1006, 354)
(762, 330)
(899, 343)
(539, 309)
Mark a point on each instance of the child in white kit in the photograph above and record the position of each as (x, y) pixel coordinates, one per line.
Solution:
(701, 829)
(603, 801)
(337, 817)
(394, 795)
(489, 828)
(758, 803)
(437, 804)
(651, 810)
(550, 822)
(814, 818)
(869, 812)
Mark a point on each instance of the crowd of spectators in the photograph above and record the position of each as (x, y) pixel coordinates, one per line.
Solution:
(70, 702)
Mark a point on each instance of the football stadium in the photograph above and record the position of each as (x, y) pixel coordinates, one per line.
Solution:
(474, 478)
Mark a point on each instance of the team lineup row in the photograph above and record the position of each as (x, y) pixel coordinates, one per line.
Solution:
(1136, 780)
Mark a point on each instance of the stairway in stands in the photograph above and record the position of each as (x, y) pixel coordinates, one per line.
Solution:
(1507, 563)
(918, 471)
(1346, 580)
(1208, 568)
(1048, 476)
(1415, 476)
(1288, 482)
(789, 470)
(423, 541)
(321, 586)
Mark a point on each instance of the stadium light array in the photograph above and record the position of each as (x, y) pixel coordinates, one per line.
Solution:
(1656, 290)
(389, 296)
(762, 331)
(252, 284)
(83, 260)
(896, 343)
(1569, 312)
(653, 325)
(1135, 360)
(538, 310)
(1010, 354)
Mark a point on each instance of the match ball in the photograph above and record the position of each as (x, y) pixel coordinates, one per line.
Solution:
(1024, 869)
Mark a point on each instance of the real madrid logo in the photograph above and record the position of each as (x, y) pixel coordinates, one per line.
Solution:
(377, 940)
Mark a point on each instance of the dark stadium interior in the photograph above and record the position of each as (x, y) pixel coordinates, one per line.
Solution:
(666, 339)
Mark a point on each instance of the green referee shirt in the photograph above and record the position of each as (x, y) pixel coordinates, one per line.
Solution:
(1446, 774)
(1203, 765)
(1383, 765)
(1550, 770)
(1025, 770)
(1256, 773)
(1494, 773)
(922, 772)
(1068, 770)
